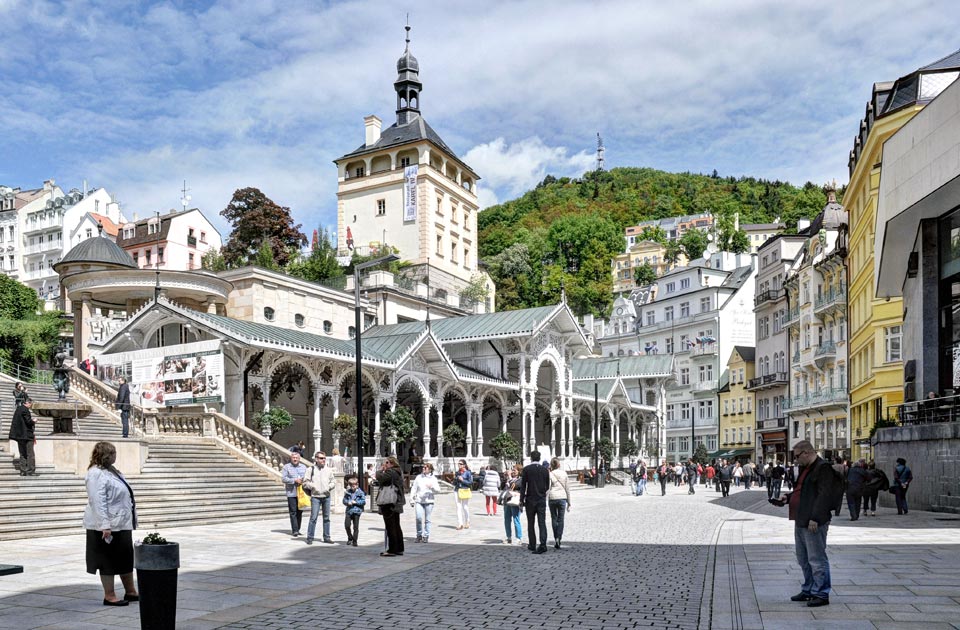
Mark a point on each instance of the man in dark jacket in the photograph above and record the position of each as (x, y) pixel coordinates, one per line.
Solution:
(725, 476)
(775, 480)
(857, 478)
(811, 505)
(691, 475)
(123, 404)
(21, 431)
(534, 485)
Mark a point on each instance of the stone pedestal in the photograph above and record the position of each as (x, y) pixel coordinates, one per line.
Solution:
(63, 414)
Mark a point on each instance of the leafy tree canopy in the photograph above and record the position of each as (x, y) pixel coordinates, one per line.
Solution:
(256, 220)
(27, 334)
(320, 264)
(644, 275)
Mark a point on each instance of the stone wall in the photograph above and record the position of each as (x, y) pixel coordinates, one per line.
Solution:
(932, 452)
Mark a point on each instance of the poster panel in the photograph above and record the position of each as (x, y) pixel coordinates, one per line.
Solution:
(410, 192)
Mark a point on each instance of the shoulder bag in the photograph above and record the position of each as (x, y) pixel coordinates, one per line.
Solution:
(303, 499)
(505, 496)
(388, 495)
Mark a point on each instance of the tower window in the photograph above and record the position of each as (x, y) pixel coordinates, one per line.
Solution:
(381, 207)
(440, 206)
(404, 162)
(453, 253)
(327, 326)
(299, 320)
(269, 314)
(439, 246)
(358, 172)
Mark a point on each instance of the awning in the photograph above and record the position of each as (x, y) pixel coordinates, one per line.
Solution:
(730, 453)
(779, 436)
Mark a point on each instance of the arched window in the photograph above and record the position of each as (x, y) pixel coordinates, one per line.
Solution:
(298, 319)
(327, 326)
(268, 314)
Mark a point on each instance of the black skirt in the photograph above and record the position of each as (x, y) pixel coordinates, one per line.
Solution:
(113, 559)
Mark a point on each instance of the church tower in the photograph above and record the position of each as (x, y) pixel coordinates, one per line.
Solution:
(405, 187)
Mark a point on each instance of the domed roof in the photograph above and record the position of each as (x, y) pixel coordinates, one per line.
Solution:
(98, 250)
(407, 63)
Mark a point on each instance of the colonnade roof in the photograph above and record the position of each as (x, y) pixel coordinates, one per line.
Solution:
(634, 366)
(477, 327)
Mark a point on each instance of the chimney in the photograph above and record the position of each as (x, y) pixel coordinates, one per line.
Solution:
(802, 224)
(831, 190)
(48, 185)
(372, 124)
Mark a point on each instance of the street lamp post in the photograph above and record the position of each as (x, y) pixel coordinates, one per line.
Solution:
(357, 331)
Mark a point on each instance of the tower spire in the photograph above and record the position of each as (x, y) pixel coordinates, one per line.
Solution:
(407, 29)
(407, 85)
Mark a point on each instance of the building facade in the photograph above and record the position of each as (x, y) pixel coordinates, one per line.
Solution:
(816, 294)
(637, 255)
(771, 380)
(876, 319)
(175, 240)
(405, 187)
(737, 406)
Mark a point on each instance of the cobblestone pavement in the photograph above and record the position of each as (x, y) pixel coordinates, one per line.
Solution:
(628, 562)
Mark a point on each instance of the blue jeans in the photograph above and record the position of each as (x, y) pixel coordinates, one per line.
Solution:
(811, 548)
(773, 488)
(900, 494)
(125, 421)
(315, 504)
(641, 486)
(423, 512)
(512, 513)
(558, 507)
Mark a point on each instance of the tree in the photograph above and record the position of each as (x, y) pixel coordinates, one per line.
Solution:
(476, 290)
(320, 264)
(213, 260)
(694, 242)
(256, 220)
(700, 454)
(276, 418)
(653, 233)
(505, 448)
(644, 275)
(398, 425)
(454, 436)
(628, 448)
(583, 445)
(605, 446)
(673, 251)
(739, 243)
(27, 334)
(264, 257)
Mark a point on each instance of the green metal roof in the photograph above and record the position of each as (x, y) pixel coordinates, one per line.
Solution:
(585, 388)
(484, 326)
(651, 365)
(385, 348)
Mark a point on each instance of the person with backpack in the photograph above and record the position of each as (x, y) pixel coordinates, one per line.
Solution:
(857, 478)
(902, 477)
(725, 476)
(811, 506)
(691, 476)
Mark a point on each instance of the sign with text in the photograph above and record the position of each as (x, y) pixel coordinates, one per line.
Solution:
(410, 192)
(185, 374)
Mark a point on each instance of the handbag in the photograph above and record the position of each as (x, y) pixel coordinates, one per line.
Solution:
(387, 495)
(504, 497)
(464, 494)
(303, 499)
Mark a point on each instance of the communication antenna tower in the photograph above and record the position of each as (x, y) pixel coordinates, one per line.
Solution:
(600, 151)
(185, 198)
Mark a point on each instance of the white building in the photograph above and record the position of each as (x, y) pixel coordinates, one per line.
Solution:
(405, 187)
(772, 369)
(176, 240)
(816, 289)
(697, 314)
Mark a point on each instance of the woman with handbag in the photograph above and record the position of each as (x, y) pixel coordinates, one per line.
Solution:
(110, 518)
(558, 500)
(390, 501)
(510, 500)
(491, 489)
(461, 484)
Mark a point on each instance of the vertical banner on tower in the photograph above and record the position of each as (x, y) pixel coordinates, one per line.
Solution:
(410, 193)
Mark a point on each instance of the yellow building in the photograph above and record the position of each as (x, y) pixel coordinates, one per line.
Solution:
(641, 253)
(737, 425)
(876, 321)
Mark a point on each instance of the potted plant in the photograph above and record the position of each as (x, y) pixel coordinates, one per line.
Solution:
(157, 561)
(269, 422)
(455, 437)
(345, 426)
(505, 448)
(398, 425)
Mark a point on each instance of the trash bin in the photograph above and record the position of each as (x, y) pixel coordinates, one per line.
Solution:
(157, 567)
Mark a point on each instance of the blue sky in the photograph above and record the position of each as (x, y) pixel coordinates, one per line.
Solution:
(139, 97)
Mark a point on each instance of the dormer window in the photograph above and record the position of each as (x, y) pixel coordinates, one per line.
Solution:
(269, 314)
(129, 231)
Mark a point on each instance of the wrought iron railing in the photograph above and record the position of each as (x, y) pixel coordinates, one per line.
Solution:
(929, 410)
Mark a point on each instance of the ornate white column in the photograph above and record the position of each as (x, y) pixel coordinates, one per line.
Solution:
(554, 429)
(377, 435)
(479, 416)
(503, 420)
(469, 430)
(426, 428)
(563, 435)
(317, 409)
(439, 405)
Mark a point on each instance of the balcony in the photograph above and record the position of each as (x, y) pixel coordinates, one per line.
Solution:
(684, 423)
(40, 248)
(768, 380)
(825, 353)
(705, 350)
(769, 295)
(833, 302)
(704, 387)
(771, 424)
(44, 224)
(832, 397)
(795, 360)
(793, 317)
(192, 241)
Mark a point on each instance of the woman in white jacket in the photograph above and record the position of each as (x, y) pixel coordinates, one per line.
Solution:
(422, 498)
(491, 489)
(110, 518)
(558, 499)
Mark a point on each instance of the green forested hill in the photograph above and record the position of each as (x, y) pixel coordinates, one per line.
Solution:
(564, 232)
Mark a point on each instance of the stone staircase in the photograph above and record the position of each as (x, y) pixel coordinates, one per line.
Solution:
(183, 482)
(574, 484)
(95, 425)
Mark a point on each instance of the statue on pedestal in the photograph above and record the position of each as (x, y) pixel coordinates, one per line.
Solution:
(61, 380)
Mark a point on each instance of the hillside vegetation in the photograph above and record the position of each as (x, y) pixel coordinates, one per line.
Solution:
(562, 234)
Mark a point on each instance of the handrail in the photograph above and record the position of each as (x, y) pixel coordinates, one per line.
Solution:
(105, 397)
(25, 373)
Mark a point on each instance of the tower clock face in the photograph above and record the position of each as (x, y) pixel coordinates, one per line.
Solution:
(619, 310)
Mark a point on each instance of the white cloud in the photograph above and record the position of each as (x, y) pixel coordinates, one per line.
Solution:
(513, 169)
